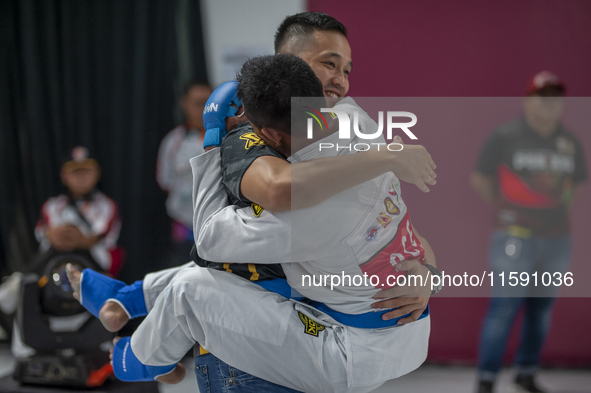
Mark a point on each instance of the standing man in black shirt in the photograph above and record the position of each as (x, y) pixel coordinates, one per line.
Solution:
(529, 170)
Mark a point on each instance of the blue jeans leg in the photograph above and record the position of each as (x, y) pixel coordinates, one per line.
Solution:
(552, 256)
(538, 312)
(495, 331)
(215, 376)
(536, 255)
(506, 254)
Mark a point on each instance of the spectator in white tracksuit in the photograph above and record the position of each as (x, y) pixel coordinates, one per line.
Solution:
(173, 171)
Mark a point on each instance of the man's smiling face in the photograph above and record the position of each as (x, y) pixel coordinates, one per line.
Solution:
(329, 55)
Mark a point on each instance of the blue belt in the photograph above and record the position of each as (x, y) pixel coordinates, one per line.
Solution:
(368, 320)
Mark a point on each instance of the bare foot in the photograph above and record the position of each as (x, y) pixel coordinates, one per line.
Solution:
(115, 340)
(175, 376)
(74, 278)
(112, 315)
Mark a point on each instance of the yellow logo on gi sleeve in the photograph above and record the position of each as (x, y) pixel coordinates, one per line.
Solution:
(311, 327)
(252, 139)
(256, 209)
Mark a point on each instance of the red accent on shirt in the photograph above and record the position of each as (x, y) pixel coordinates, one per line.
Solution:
(518, 193)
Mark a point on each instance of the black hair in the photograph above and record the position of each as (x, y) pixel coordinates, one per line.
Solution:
(192, 83)
(306, 23)
(268, 83)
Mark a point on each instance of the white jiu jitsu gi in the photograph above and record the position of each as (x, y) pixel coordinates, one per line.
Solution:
(272, 337)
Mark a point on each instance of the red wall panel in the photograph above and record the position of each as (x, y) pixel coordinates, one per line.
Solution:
(431, 48)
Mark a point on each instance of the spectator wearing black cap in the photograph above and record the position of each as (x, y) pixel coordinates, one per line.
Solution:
(83, 218)
(529, 170)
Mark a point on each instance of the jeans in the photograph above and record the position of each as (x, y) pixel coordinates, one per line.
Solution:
(215, 376)
(512, 254)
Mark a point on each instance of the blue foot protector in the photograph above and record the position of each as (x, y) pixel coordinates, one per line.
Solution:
(128, 368)
(96, 289)
(131, 298)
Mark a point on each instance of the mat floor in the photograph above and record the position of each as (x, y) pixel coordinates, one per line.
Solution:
(428, 378)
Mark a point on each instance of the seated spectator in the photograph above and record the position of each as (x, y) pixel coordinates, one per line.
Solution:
(83, 218)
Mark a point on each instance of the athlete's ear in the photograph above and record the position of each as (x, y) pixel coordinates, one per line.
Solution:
(271, 136)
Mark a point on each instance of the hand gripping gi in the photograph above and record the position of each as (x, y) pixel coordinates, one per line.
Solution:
(218, 107)
(128, 368)
(96, 289)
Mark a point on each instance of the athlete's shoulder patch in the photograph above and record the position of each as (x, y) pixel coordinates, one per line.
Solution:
(391, 207)
(384, 219)
(256, 209)
(252, 139)
(311, 327)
